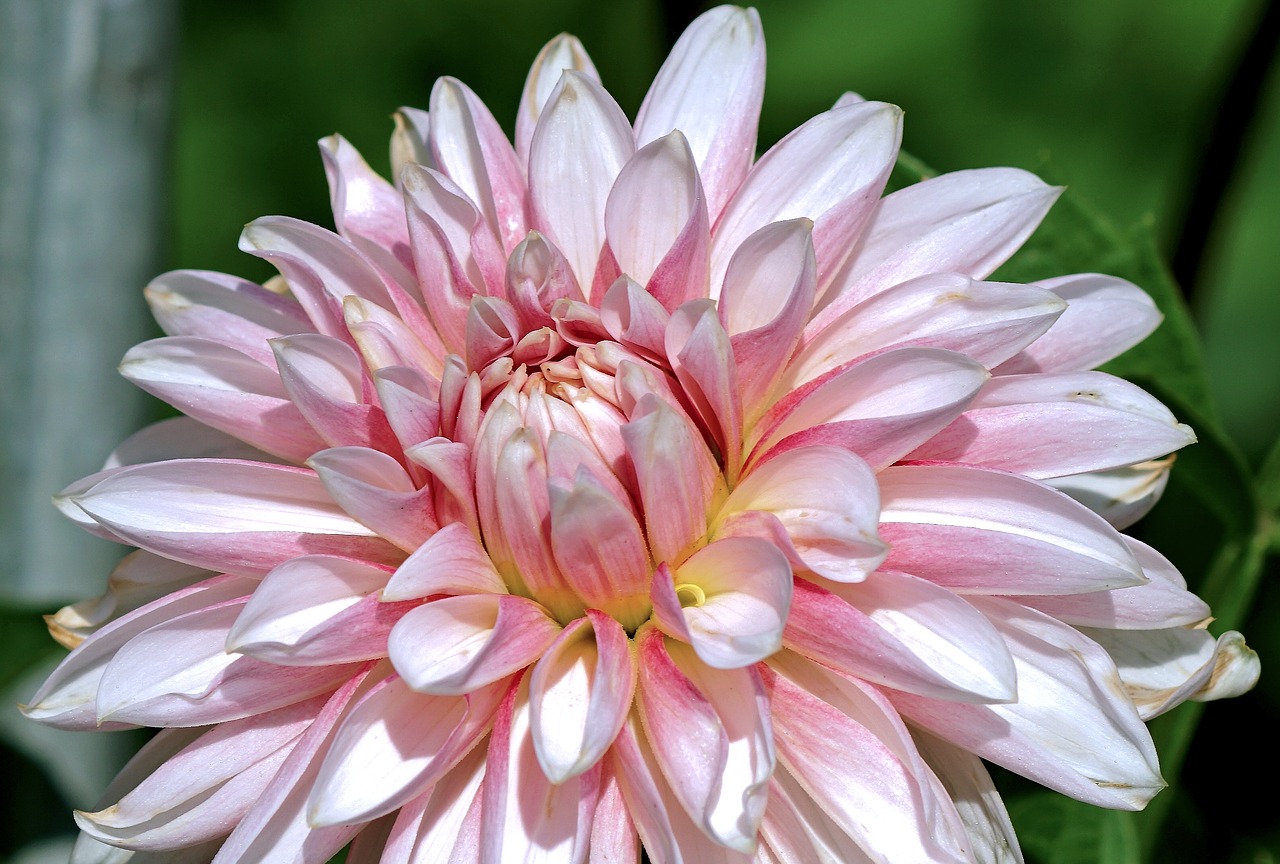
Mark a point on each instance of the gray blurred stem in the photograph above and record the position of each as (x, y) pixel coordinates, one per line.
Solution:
(85, 90)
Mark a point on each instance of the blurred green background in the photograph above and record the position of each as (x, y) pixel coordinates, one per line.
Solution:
(1116, 99)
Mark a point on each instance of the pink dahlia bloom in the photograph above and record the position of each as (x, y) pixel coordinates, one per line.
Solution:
(618, 490)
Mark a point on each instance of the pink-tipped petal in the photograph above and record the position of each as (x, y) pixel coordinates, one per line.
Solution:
(832, 170)
(847, 748)
(667, 250)
(580, 693)
(768, 291)
(701, 356)
(454, 645)
(1072, 728)
(581, 143)
(828, 502)
(68, 698)
(1051, 425)
(711, 732)
(178, 673)
(526, 817)
(326, 381)
(1105, 316)
(710, 88)
(600, 548)
(226, 389)
(393, 744)
(376, 491)
(988, 321)
(229, 516)
(675, 475)
(316, 610)
(966, 222)
(905, 633)
(428, 828)
(452, 561)
(1003, 534)
(471, 149)
(729, 600)
(881, 407)
(367, 210)
(224, 308)
(561, 54)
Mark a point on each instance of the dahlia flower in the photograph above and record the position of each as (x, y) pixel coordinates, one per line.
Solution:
(616, 490)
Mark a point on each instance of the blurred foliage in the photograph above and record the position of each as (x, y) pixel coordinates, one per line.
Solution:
(1111, 94)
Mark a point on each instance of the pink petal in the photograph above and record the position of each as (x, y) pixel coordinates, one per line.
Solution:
(563, 53)
(1072, 729)
(376, 491)
(316, 610)
(367, 210)
(880, 407)
(710, 88)
(471, 149)
(579, 695)
(729, 600)
(988, 321)
(410, 141)
(600, 549)
(225, 389)
(200, 792)
(393, 744)
(525, 816)
(768, 292)
(667, 250)
(613, 834)
(1162, 602)
(711, 733)
(180, 438)
(845, 745)
(68, 697)
(451, 561)
(1003, 534)
(699, 352)
(493, 330)
(224, 308)
(277, 828)
(828, 502)
(454, 645)
(797, 830)
(1121, 496)
(428, 827)
(905, 633)
(966, 222)
(675, 475)
(667, 832)
(831, 170)
(321, 267)
(409, 403)
(581, 143)
(177, 673)
(537, 277)
(450, 464)
(325, 379)
(384, 339)
(635, 318)
(229, 516)
(1051, 425)
(1105, 317)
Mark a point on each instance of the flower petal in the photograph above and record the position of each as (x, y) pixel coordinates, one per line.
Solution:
(454, 645)
(581, 143)
(729, 600)
(1003, 534)
(1049, 425)
(229, 516)
(452, 561)
(711, 733)
(579, 695)
(376, 491)
(710, 88)
(562, 53)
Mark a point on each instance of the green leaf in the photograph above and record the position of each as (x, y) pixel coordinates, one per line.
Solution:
(1054, 829)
